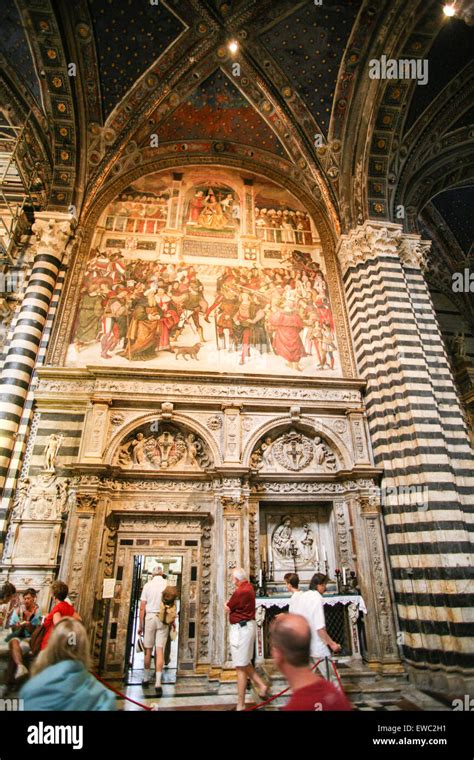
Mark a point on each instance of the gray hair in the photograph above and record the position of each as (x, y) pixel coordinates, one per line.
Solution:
(157, 570)
(239, 574)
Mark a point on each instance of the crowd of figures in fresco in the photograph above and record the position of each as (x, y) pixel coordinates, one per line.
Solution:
(140, 309)
(283, 226)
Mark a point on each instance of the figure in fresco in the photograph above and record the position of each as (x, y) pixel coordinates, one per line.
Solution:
(138, 305)
(212, 216)
(287, 325)
(88, 320)
(114, 322)
(328, 347)
(249, 326)
(196, 207)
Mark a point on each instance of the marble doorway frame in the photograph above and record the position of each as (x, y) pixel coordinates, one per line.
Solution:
(165, 534)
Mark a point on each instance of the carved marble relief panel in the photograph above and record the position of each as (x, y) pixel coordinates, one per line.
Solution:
(294, 452)
(298, 538)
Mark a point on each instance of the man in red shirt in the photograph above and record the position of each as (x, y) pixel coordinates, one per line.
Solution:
(290, 643)
(241, 609)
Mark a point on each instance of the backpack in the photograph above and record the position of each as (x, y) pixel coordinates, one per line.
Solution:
(168, 611)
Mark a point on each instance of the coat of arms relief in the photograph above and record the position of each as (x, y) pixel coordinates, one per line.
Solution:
(163, 447)
(293, 452)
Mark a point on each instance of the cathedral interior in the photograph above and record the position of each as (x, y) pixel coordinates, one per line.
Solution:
(236, 266)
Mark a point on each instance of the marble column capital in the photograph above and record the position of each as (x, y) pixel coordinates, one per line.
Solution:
(53, 230)
(373, 239)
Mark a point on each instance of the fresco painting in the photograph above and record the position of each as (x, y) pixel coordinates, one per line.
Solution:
(187, 307)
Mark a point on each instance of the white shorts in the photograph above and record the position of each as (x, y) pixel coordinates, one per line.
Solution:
(156, 632)
(242, 643)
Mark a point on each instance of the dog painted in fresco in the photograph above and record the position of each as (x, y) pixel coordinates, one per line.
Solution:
(185, 351)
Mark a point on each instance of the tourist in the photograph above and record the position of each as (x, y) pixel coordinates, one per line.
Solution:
(8, 602)
(311, 606)
(23, 620)
(60, 676)
(292, 584)
(241, 609)
(290, 640)
(62, 608)
(154, 630)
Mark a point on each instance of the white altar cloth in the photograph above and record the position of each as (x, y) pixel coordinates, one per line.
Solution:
(283, 601)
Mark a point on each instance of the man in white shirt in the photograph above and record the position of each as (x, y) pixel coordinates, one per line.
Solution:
(292, 584)
(156, 632)
(311, 607)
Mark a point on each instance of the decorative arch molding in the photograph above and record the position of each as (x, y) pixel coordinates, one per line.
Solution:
(177, 420)
(450, 168)
(304, 425)
(390, 28)
(431, 152)
(50, 55)
(196, 54)
(256, 166)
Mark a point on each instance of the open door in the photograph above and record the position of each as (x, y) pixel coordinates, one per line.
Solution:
(133, 620)
(143, 566)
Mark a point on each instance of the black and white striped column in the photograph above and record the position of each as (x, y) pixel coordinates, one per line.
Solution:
(53, 233)
(420, 439)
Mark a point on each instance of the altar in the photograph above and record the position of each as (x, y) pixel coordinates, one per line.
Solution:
(344, 622)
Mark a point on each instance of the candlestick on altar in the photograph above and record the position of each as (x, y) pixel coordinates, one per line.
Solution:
(294, 552)
(344, 578)
(270, 565)
(264, 554)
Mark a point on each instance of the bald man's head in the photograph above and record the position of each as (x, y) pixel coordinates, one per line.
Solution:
(291, 638)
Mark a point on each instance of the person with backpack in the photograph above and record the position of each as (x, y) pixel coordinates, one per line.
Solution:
(154, 630)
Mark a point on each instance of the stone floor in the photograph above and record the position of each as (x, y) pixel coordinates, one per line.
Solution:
(199, 693)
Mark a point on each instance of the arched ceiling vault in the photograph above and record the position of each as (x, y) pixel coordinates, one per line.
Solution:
(302, 101)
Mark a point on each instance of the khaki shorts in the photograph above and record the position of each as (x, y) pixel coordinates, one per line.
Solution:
(156, 632)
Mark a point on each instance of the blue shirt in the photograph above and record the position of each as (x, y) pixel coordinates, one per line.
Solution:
(15, 618)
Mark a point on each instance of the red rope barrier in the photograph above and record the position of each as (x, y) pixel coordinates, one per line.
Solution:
(247, 709)
(275, 696)
(119, 693)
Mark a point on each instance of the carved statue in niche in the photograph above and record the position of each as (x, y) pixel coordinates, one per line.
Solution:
(293, 543)
(282, 539)
(51, 452)
(138, 449)
(294, 452)
(170, 448)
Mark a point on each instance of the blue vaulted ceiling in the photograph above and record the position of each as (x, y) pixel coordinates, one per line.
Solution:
(308, 46)
(449, 54)
(456, 207)
(130, 35)
(14, 46)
